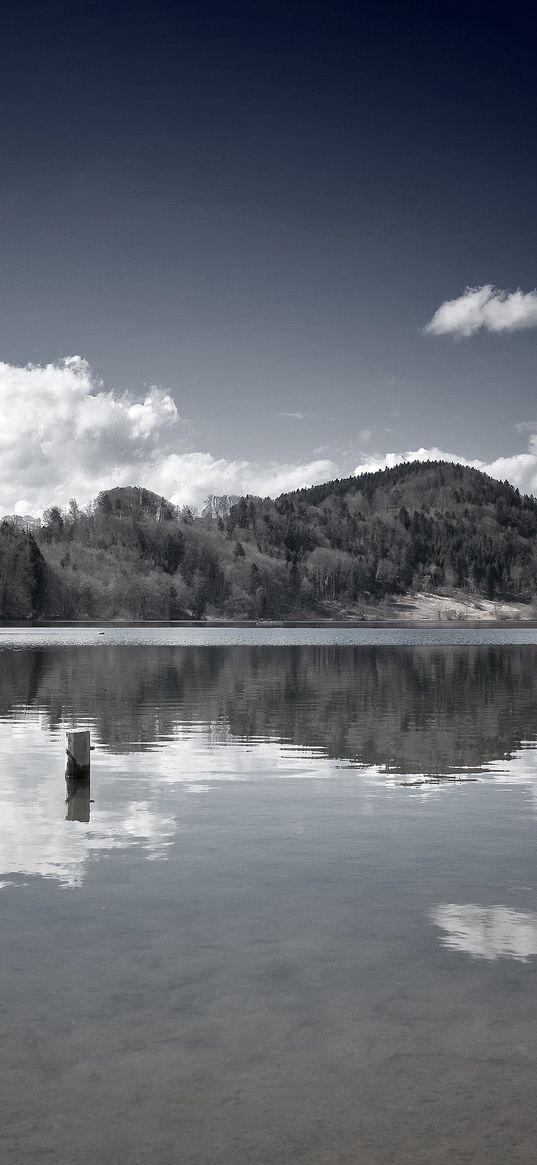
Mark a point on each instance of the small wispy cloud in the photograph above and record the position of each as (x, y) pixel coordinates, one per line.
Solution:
(484, 308)
(526, 426)
(365, 436)
(305, 417)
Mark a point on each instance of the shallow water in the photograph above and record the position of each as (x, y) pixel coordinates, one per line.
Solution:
(294, 915)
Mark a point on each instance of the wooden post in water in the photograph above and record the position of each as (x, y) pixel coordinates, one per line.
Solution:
(77, 799)
(77, 749)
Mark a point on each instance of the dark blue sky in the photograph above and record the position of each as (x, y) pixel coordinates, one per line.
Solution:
(260, 206)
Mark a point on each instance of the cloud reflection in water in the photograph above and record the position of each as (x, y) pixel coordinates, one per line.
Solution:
(52, 829)
(169, 722)
(487, 932)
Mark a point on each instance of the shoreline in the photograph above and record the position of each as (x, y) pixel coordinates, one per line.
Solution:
(417, 610)
(346, 624)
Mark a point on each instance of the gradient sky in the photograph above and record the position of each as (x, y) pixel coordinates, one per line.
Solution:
(257, 208)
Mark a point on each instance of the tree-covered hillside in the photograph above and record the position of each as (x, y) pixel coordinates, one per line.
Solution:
(22, 574)
(132, 554)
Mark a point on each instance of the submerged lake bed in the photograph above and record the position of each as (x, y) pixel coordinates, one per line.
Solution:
(292, 916)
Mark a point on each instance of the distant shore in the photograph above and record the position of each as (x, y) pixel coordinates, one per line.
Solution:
(420, 609)
(434, 624)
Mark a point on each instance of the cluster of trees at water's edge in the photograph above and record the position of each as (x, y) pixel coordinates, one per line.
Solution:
(132, 554)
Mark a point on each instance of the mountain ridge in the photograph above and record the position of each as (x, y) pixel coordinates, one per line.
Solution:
(348, 545)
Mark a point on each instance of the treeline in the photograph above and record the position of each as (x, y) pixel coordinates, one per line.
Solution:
(132, 554)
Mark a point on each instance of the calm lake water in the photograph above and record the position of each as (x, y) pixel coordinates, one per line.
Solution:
(294, 916)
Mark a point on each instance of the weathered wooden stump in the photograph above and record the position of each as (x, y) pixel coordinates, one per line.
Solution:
(77, 749)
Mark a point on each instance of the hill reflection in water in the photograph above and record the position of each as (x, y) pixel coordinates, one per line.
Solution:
(245, 940)
(430, 711)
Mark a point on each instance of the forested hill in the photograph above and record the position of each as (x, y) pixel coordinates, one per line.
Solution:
(330, 549)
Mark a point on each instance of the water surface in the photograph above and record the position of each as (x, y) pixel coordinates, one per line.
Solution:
(293, 917)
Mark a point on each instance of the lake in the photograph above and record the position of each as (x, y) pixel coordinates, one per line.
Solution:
(293, 915)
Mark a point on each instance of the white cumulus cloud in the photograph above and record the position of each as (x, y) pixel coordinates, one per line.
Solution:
(187, 478)
(388, 460)
(486, 307)
(520, 468)
(64, 435)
